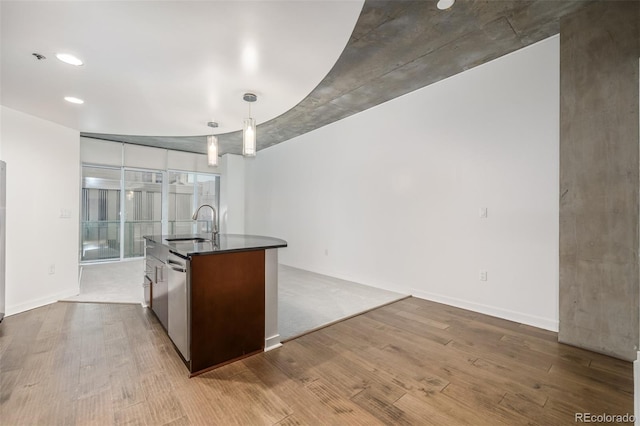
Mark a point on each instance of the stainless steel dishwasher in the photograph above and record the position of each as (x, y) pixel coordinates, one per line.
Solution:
(178, 304)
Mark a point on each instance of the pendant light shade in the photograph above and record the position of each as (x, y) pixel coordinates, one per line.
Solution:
(249, 137)
(212, 146)
(249, 129)
(212, 150)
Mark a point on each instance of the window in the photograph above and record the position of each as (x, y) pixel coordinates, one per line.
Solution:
(121, 205)
(187, 191)
(100, 218)
(181, 202)
(142, 209)
(207, 193)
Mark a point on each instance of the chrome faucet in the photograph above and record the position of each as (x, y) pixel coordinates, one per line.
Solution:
(214, 224)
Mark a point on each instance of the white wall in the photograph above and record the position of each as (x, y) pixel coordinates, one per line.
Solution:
(232, 194)
(390, 197)
(43, 178)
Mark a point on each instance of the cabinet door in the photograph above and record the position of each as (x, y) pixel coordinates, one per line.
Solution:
(156, 271)
(227, 307)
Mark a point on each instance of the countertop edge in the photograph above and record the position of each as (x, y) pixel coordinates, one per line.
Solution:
(185, 251)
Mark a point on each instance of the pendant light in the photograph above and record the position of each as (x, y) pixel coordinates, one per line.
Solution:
(249, 129)
(212, 146)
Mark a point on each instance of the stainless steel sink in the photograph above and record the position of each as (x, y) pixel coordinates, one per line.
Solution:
(188, 239)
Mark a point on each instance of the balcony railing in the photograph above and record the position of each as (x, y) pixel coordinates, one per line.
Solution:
(134, 232)
(100, 240)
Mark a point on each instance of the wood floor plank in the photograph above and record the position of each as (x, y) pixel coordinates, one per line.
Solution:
(343, 410)
(379, 405)
(604, 377)
(136, 414)
(531, 410)
(8, 384)
(423, 320)
(440, 410)
(244, 399)
(486, 397)
(94, 410)
(616, 366)
(547, 348)
(502, 353)
(407, 379)
(307, 408)
(434, 334)
(443, 312)
(182, 421)
(164, 408)
(198, 408)
(290, 420)
(411, 362)
(295, 361)
(350, 378)
(382, 334)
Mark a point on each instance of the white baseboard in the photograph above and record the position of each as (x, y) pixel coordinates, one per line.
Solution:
(535, 321)
(36, 303)
(272, 342)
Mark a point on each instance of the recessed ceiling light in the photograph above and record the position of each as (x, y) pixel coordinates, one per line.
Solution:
(445, 4)
(73, 100)
(69, 59)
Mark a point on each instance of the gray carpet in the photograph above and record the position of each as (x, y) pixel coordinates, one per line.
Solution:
(307, 301)
(118, 282)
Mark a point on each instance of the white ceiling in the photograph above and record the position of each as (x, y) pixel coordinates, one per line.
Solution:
(166, 68)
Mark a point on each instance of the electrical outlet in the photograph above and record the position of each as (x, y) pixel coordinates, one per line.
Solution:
(52, 269)
(483, 275)
(483, 212)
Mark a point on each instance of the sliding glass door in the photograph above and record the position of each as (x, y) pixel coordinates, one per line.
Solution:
(121, 205)
(181, 203)
(142, 209)
(100, 216)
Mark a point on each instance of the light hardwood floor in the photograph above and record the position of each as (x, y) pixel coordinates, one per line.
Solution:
(412, 362)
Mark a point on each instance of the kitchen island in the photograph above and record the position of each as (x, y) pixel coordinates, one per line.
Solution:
(217, 300)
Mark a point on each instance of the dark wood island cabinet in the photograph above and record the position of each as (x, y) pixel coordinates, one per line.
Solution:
(217, 301)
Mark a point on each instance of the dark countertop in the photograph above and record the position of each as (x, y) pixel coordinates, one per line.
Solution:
(226, 243)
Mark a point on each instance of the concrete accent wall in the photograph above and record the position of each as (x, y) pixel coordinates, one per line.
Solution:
(599, 277)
